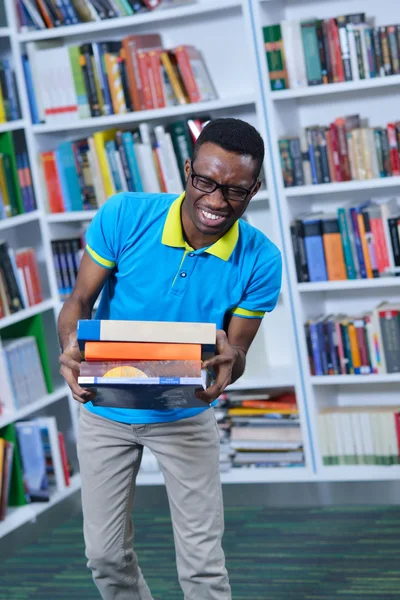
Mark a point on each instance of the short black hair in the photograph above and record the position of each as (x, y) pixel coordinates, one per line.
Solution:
(233, 135)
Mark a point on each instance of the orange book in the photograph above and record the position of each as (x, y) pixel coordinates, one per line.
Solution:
(105, 351)
(354, 348)
(183, 55)
(268, 404)
(364, 245)
(54, 193)
(333, 248)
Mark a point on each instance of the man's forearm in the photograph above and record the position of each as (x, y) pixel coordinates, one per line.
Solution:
(239, 365)
(73, 310)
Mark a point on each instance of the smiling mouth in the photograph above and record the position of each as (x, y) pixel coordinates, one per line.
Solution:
(211, 218)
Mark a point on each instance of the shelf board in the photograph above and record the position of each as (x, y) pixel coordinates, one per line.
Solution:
(71, 216)
(344, 186)
(11, 417)
(12, 125)
(242, 475)
(158, 16)
(359, 473)
(350, 284)
(19, 220)
(5, 32)
(147, 115)
(24, 514)
(271, 377)
(337, 88)
(355, 379)
(26, 313)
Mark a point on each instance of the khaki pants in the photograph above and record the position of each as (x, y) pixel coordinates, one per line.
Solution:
(188, 454)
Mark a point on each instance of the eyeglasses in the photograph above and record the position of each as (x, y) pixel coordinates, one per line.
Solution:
(229, 192)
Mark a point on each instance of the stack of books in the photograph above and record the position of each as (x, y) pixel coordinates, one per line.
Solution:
(83, 174)
(345, 48)
(346, 150)
(112, 77)
(368, 435)
(20, 285)
(144, 364)
(259, 430)
(340, 344)
(359, 241)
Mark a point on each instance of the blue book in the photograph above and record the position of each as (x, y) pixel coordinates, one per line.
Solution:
(68, 165)
(63, 181)
(316, 349)
(33, 460)
(24, 189)
(31, 90)
(102, 73)
(31, 194)
(354, 211)
(127, 140)
(11, 89)
(314, 247)
(111, 149)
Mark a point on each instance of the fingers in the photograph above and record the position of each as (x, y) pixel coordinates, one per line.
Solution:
(221, 382)
(218, 359)
(78, 393)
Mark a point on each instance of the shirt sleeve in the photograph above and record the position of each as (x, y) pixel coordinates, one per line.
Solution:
(262, 292)
(103, 237)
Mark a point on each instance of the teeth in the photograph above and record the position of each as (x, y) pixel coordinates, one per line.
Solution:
(209, 215)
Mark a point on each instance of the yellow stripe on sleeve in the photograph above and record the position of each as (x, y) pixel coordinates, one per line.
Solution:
(251, 314)
(108, 264)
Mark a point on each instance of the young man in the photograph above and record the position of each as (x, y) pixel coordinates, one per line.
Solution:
(163, 258)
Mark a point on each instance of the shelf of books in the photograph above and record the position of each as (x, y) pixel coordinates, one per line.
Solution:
(330, 75)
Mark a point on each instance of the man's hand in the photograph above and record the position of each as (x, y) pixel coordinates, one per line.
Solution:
(223, 362)
(70, 361)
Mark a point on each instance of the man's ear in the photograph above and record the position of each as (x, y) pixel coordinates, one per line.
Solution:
(256, 188)
(187, 168)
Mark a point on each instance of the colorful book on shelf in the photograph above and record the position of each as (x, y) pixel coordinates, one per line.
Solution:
(17, 492)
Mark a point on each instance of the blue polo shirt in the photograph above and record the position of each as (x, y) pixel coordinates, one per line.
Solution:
(156, 276)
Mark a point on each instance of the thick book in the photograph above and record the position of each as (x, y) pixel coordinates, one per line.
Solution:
(151, 393)
(141, 369)
(147, 331)
(129, 351)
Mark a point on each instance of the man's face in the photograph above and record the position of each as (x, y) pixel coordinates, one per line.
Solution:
(210, 212)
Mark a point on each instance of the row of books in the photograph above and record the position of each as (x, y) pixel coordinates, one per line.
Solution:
(345, 48)
(9, 105)
(67, 255)
(359, 241)
(339, 344)
(47, 14)
(68, 83)
(20, 285)
(81, 175)
(138, 364)
(259, 430)
(33, 463)
(22, 377)
(367, 435)
(16, 190)
(348, 149)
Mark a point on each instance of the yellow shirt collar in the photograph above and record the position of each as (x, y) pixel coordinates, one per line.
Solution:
(173, 234)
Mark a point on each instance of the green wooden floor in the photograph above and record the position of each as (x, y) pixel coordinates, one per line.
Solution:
(272, 554)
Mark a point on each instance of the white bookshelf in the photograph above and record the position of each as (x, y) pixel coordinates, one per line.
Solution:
(286, 112)
(229, 33)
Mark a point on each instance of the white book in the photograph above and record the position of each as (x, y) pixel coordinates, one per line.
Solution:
(294, 54)
(49, 425)
(7, 398)
(22, 286)
(147, 169)
(96, 173)
(353, 52)
(166, 161)
(388, 209)
(361, 28)
(120, 170)
(33, 51)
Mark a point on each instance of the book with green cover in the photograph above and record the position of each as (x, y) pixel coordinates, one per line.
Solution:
(182, 143)
(7, 148)
(275, 57)
(79, 82)
(33, 326)
(17, 495)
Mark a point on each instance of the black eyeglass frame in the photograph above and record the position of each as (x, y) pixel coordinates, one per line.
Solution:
(224, 188)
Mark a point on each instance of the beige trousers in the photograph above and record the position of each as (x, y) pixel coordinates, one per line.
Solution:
(188, 453)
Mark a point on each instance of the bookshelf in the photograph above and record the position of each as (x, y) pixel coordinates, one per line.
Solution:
(229, 33)
(286, 112)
